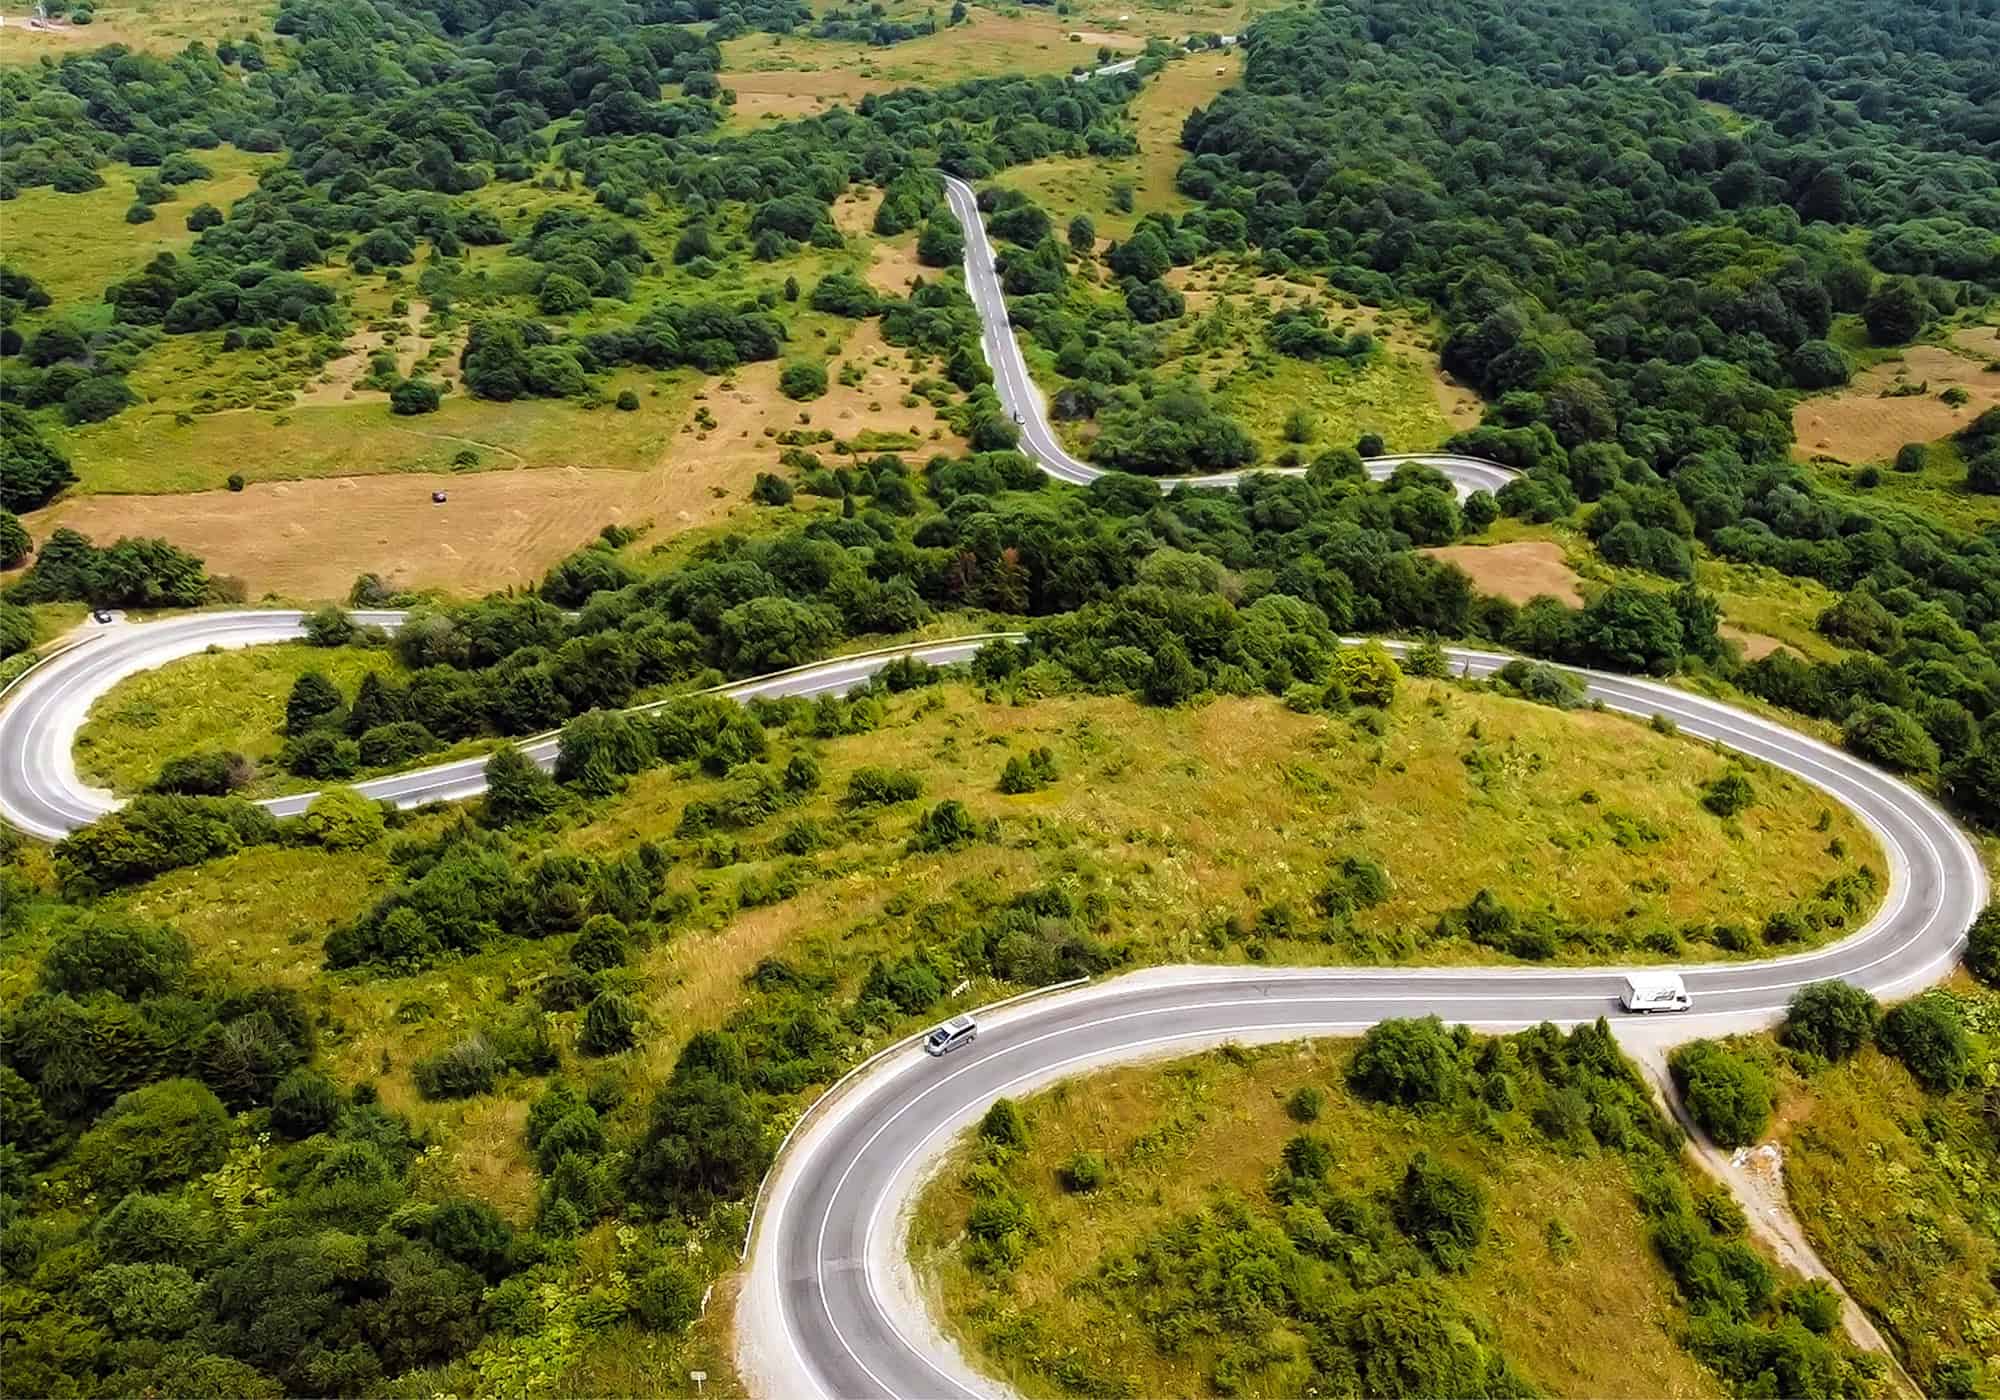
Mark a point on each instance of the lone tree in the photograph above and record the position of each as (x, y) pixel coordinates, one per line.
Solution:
(1895, 313)
(313, 700)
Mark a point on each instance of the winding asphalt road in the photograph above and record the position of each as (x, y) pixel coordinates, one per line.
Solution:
(826, 1308)
(42, 793)
(1019, 395)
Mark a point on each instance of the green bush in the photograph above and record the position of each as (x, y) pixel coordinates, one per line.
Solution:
(703, 1143)
(1815, 1305)
(1409, 1062)
(459, 1071)
(516, 789)
(945, 827)
(1028, 773)
(770, 490)
(1982, 946)
(610, 1024)
(1540, 682)
(157, 1302)
(1305, 1103)
(802, 380)
(151, 835)
(108, 951)
(414, 396)
(882, 787)
(321, 753)
(1831, 1020)
(1730, 1097)
(394, 744)
(1442, 1209)
(1891, 737)
(212, 774)
(1083, 1173)
(314, 700)
(305, 1102)
(153, 1137)
(1728, 794)
(341, 819)
(1004, 1124)
(667, 1297)
(1928, 1036)
(600, 944)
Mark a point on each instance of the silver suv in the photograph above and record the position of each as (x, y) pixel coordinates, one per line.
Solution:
(959, 1030)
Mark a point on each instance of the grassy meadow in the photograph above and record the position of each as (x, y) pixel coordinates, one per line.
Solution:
(1567, 1281)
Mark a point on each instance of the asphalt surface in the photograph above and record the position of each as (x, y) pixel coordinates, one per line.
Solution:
(826, 1307)
(1019, 396)
(827, 1262)
(41, 792)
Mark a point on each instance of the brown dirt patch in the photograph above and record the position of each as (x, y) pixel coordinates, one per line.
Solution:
(308, 539)
(1517, 571)
(338, 377)
(1859, 424)
(1461, 407)
(1756, 646)
(895, 266)
(1982, 342)
(751, 403)
(854, 213)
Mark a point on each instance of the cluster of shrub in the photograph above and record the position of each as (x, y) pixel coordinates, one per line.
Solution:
(231, 1220)
(1624, 369)
(59, 365)
(1731, 1094)
(1364, 1275)
(135, 573)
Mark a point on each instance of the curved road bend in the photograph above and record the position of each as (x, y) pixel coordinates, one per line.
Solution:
(822, 1295)
(1018, 394)
(828, 1287)
(42, 793)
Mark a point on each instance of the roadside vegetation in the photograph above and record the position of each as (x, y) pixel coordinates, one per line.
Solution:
(709, 913)
(472, 1100)
(1891, 1158)
(1423, 1211)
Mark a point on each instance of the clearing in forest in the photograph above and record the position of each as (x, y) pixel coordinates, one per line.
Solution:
(1879, 412)
(307, 539)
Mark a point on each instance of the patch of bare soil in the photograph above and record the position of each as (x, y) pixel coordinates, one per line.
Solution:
(1461, 407)
(749, 404)
(789, 95)
(854, 212)
(338, 378)
(1981, 342)
(1867, 421)
(894, 266)
(1517, 572)
(309, 539)
(1756, 646)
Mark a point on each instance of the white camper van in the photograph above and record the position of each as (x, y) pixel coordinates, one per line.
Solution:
(1655, 991)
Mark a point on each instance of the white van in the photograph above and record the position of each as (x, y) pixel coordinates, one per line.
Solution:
(959, 1030)
(1655, 991)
